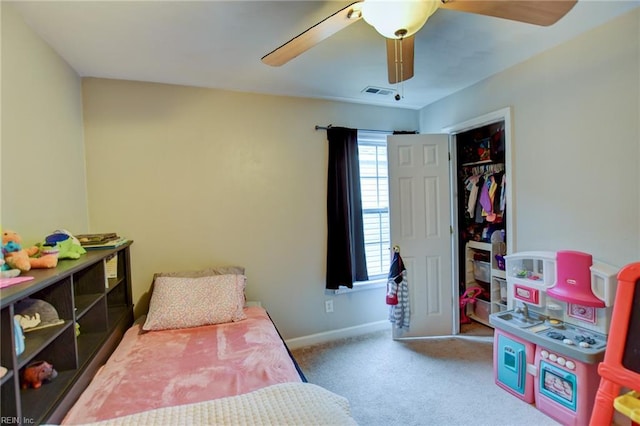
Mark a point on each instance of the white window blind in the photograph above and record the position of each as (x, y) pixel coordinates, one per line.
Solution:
(372, 152)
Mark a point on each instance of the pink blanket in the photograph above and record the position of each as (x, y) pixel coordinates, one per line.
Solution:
(172, 367)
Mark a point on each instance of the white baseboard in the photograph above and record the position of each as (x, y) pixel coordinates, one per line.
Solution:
(328, 336)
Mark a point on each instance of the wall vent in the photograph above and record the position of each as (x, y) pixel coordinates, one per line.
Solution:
(378, 91)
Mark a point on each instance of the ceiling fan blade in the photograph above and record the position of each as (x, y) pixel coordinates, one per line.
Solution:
(314, 35)
(400, 59)
(541, 12)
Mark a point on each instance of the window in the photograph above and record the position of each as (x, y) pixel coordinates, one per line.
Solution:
(372, 152)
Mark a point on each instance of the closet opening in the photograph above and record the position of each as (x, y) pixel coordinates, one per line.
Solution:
(481, 176)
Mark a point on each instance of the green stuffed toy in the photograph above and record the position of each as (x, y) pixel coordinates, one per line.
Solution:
(67, 245)
(67, 249)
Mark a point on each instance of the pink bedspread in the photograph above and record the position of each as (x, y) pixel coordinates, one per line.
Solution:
(172, 367)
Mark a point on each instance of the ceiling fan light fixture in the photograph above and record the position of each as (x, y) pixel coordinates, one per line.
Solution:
(398, 18)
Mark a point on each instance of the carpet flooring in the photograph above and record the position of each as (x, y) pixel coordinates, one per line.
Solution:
(438, 381)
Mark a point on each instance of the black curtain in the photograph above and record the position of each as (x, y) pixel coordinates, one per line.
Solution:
(346, 261)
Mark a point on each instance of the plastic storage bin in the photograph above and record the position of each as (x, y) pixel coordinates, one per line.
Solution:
(482, 271)
(482, 309)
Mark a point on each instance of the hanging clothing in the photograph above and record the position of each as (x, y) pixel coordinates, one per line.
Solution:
(491, 215)
(498, 195)
(503, 196)
(479, 218)
(399, 314)
(485, 198)
(472, 187)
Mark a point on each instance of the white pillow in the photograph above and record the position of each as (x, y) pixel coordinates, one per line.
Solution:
(181, 302)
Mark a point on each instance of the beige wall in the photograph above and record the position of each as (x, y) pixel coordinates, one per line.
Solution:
(43, 169)
(201, 177)
(575, 115)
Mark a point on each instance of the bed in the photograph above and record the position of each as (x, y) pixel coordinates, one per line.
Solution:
(201, 355)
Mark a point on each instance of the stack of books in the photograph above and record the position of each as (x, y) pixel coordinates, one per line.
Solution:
(101, 241)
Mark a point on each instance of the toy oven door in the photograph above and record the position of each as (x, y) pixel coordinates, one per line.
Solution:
(558, 385)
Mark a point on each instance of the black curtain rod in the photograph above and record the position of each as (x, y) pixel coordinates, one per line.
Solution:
(364, 130)
(370, 130)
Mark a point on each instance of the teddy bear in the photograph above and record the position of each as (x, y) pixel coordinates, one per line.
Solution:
(24, 259)
(15, 256)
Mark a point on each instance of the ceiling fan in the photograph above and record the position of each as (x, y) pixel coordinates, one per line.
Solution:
(399, 20)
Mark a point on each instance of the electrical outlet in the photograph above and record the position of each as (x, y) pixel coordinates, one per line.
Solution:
(328, 306)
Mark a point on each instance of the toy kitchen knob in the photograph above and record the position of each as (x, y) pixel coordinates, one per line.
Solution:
(568, 342)
(570, 365)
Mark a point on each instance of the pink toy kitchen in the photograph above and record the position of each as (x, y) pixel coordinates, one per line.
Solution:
(553, 334)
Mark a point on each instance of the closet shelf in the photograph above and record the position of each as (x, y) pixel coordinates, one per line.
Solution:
(477, 163)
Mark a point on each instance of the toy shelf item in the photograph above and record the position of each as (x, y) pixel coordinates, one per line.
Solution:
(93, 239)
(603, 282)
(529, 274)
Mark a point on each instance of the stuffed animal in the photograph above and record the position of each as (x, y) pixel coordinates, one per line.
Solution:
(36, 373)
(15, 256)
(5, 270)
(25, 259)
(27, 321)
(70, 250)
(67, 246)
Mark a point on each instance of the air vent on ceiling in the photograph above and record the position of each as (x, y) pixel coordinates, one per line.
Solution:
(378, 91)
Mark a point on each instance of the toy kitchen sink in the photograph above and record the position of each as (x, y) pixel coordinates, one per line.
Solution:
(520, 317)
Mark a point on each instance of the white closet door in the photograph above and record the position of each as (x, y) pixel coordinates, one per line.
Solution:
(420, 220)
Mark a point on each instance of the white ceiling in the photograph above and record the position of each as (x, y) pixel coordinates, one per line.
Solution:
(218, 44)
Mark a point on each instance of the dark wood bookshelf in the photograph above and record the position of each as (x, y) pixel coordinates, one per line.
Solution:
(85, 298)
